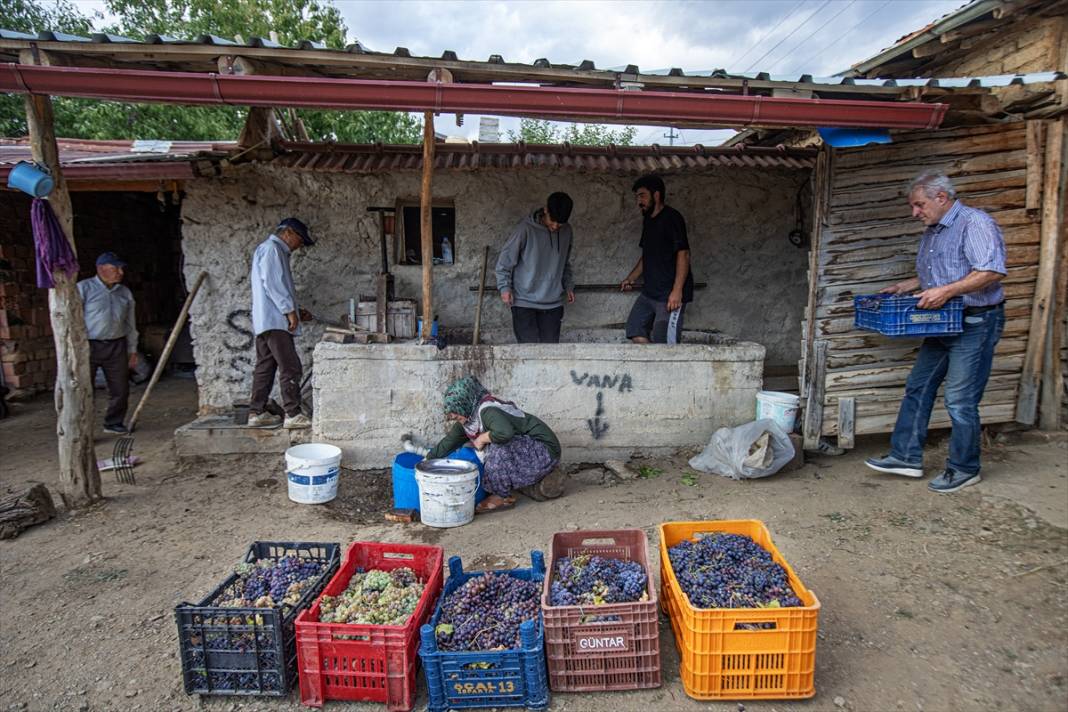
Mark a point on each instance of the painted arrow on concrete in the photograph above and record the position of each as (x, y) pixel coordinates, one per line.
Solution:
(598, 427)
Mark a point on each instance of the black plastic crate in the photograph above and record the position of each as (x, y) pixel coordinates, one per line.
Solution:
(247, 651)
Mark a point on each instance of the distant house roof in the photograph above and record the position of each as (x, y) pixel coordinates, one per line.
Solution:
(909, 56)
(122, 160)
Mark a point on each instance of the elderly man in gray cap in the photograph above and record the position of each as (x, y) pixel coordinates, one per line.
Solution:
(276, 320)
(112, 328)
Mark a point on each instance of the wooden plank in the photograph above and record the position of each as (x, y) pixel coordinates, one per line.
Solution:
(425, 232)
(846, 415)
(893, 154)
(989, 415)
(1054, 362)
(1044, 303)
(78, 474)
(845, 196)
(1035, 163)
(814, 405)
(821, 183)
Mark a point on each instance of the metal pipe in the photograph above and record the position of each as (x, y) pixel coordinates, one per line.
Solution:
(651, 107)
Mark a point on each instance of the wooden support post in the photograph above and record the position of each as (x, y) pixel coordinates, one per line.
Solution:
(1043, 306)
(261, 129)
(78, 474)
(425, 233)
(1052, 375)
(813, 426)
(847, 416)
(821, 188)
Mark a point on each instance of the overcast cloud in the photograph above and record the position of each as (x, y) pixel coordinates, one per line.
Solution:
(818, 37)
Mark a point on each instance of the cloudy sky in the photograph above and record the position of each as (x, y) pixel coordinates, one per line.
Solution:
(819, 37)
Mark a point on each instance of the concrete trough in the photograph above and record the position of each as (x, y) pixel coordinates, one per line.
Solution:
(603, 396)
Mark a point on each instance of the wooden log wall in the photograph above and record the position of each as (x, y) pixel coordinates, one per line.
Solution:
(869, 241)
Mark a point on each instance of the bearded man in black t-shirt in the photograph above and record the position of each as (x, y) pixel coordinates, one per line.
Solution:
(656, 316)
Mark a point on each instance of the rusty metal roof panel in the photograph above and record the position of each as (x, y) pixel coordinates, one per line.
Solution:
(377, 158)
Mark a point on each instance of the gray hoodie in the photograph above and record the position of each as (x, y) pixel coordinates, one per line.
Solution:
(535, 264)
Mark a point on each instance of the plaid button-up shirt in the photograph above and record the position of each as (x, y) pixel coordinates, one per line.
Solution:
(965, 240)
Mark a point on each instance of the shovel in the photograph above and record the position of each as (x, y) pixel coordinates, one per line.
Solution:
(122, 457)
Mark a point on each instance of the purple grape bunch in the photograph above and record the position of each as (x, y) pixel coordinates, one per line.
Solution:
(485, 613)
(271, 583)
(730, 571)
(595, 580)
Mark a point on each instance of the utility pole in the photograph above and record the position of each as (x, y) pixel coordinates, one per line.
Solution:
(671, 136)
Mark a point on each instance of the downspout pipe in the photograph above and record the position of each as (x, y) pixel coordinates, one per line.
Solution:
(579, 104)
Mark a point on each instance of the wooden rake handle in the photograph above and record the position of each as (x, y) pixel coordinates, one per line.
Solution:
(171, 340)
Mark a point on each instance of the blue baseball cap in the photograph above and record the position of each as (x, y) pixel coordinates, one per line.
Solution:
(298, 227)
(110, 258)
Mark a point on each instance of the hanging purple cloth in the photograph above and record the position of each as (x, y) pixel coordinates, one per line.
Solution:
(52, 247)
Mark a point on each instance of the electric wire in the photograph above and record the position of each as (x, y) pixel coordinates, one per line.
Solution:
(845, 34)
(767, 34)
(791, 34)
(812, 34)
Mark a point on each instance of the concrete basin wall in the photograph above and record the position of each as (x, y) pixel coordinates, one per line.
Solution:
(603, 400)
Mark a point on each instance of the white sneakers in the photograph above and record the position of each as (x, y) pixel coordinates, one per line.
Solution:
(263, 420)
(297, 422)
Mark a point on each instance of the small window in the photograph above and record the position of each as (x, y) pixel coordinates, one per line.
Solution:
(443, 227)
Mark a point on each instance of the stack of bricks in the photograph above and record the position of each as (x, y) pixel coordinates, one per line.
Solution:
(144, 231)
(27, 353)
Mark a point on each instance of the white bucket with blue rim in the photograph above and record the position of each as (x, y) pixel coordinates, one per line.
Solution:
(778, 406)
(446, 492)
(312, 471)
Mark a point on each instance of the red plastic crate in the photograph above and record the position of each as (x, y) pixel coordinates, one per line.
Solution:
(589, 656)
(344, 661)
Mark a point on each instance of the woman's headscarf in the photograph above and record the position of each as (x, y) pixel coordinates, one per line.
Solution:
(467, 397)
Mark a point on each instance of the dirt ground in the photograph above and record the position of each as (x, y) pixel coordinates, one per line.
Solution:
(929, 602)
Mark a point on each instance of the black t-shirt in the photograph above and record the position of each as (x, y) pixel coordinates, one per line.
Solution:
(662, 239)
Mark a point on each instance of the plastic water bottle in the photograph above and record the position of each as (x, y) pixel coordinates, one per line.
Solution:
(446, 251)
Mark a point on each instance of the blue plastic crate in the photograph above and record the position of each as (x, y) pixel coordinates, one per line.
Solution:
(891, 315)
(490, 678)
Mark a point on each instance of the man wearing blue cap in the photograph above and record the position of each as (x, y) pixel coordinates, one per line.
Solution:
(276, 320)
(111, 324)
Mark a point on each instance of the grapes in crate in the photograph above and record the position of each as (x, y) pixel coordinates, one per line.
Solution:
(485, 613)
(587, 580)
(730, 571)
(374, 597)
(271, 583)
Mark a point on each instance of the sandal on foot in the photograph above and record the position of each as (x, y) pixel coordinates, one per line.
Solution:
(485, 506)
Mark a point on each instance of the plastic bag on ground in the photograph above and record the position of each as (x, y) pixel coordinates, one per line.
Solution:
(756, 449)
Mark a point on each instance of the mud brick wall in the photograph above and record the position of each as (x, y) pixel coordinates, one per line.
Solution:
(138, 226)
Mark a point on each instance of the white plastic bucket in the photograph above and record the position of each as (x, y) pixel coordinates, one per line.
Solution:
(778, 406)
(312, 470)
(446, 492)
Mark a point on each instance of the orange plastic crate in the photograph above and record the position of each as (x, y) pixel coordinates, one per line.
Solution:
(720, 658)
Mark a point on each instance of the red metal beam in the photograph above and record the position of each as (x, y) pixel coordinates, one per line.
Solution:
(648, 107)
(149, 170)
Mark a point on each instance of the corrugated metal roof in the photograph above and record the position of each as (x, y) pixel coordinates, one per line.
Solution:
(375, 158)
(200, 54)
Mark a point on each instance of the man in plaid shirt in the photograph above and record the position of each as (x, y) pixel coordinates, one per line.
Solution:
(961, 253)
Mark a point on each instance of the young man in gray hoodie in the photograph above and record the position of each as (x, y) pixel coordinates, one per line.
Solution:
(534, 272)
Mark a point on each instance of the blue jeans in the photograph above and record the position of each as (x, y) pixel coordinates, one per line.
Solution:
(963, 362)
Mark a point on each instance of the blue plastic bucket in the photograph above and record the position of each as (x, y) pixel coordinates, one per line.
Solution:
(406, 489)
(433, 328)
(28, 178)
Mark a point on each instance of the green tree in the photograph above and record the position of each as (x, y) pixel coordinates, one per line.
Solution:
(292, 20)
(542, 131)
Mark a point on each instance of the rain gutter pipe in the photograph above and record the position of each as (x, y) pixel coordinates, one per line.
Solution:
(579, 104)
